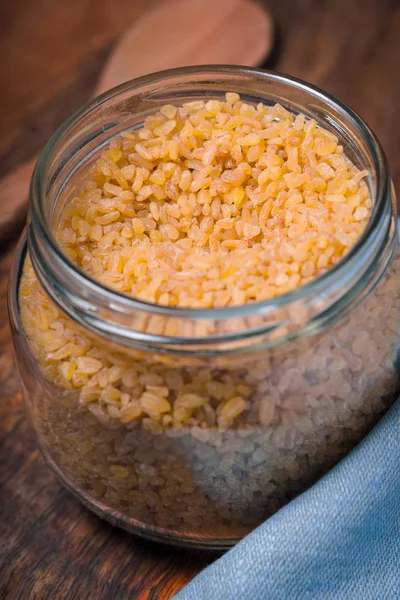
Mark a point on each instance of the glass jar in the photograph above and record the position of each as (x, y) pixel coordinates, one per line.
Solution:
(316, 367)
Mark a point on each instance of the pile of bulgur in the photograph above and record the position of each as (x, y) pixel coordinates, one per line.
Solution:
(209, 204)
(216, 204)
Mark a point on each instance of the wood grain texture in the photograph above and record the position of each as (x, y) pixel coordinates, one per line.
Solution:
(50, 547)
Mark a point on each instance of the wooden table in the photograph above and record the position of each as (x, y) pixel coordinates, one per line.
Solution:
(52, 52)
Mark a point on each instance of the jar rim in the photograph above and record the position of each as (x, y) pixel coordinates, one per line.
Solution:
(39, 230)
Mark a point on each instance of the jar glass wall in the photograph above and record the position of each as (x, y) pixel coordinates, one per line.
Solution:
(266, 397)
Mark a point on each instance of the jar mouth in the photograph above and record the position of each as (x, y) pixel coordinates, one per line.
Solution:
(50, 262)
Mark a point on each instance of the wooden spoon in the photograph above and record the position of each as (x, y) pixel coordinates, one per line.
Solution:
(173, 34)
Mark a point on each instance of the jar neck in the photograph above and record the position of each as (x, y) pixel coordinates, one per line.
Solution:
(129, 322)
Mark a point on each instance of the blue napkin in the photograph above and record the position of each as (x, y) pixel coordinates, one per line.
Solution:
(340, 540)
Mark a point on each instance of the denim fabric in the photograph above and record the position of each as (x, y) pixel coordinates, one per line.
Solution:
(340, 540)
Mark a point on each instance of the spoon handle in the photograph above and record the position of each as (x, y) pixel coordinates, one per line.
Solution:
(14, 193)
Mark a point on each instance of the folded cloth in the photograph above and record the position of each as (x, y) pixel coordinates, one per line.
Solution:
(339, 540)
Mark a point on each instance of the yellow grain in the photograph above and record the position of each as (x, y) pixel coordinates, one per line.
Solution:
(209, 204)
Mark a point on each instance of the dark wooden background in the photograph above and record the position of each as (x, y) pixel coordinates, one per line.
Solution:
(52, 52)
